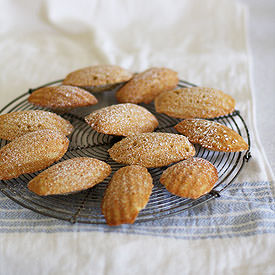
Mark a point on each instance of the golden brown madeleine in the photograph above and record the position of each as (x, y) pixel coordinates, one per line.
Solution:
(16, 124)
(62, 97)
(195, 102)
(212, 135)
(100, 76)
(190, 178)
(127, 193)
(122, 120)
(152, 149)
(31, 152)
(69, 176)
(145, 86)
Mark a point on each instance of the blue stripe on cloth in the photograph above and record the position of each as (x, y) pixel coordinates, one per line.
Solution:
(242, 210)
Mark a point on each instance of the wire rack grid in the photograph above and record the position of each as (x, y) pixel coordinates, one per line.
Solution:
(84, 207)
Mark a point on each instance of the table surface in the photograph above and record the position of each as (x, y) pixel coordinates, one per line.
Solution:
(261, 27)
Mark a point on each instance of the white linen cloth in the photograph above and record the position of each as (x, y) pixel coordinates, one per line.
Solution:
(205, 41)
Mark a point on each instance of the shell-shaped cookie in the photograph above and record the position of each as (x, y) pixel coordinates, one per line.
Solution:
(190, 178)
(195, 102)
(122, 120)
(70, 176)
(211, 135)
(16, 124)
(97, 78)
(127, 193)
(152, 149)
(62, 97)
(31, 152)
(145, 86)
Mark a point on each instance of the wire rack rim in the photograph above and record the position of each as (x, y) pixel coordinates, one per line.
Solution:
(76, 216)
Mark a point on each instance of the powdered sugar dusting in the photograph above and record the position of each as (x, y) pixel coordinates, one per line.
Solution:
(70, 176)
(31, 152)
(62, 97)
(122, 120)
(16, 124)
(97, 76)
(195, 102)
(212, 135)
(145, 86)
(152, 149)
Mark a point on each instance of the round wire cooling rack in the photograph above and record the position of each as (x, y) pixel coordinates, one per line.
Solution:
(84, 207)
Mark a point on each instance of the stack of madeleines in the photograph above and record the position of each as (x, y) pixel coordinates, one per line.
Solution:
(38, 138)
